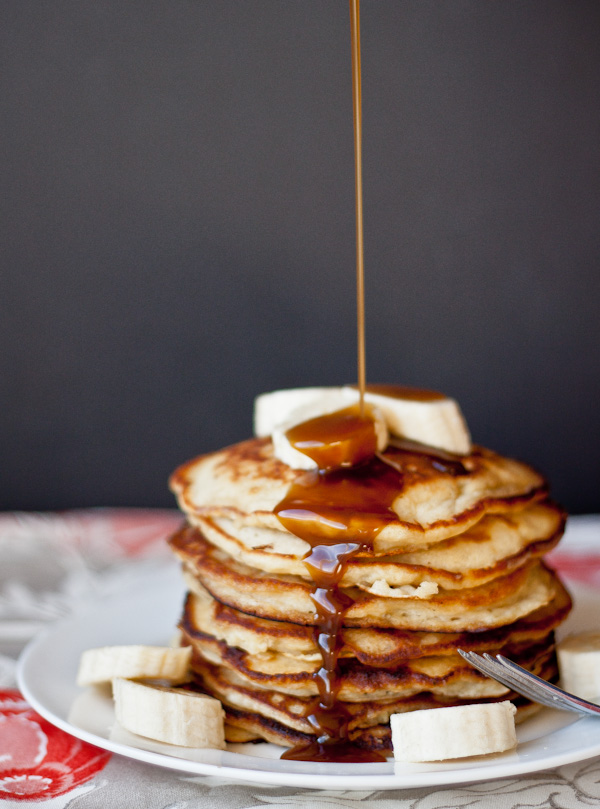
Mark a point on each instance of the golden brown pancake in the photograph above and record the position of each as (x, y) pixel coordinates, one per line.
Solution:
(448, 675)
(245, 482)
(372, 646)
(501, 601)
(492, 547)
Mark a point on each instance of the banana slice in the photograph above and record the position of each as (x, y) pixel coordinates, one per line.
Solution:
(140, 662)
(462, 730)
(171, 715)
(423, 416)
(579, 664)
(380, 587)
(275, 408)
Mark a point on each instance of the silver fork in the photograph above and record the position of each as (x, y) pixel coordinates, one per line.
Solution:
(527, 684)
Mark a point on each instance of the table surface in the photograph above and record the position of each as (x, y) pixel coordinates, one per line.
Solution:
(51, 563)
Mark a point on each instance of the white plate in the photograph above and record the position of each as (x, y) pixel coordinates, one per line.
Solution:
(147, 614)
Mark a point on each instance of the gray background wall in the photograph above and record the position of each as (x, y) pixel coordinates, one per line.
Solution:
(178, 233)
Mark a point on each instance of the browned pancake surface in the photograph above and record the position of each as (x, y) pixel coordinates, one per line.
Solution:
(501, 601)
(245, 482)
(492, 547)
(267, 708)
(372, 646)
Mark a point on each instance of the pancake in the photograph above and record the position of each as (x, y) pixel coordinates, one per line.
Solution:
(448, 674)
(493, 546)
(501, 601)
(373, 646)
(245, 482)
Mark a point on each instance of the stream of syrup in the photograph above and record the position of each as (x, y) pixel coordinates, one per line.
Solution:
(360, 260)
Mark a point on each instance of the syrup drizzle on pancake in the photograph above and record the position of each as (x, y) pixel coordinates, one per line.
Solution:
(337, 510)
(344, 438)
(335, 503)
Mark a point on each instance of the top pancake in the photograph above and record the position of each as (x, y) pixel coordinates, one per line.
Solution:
(435, 501)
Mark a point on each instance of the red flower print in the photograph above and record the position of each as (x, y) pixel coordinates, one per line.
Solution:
(37, 760)
(583, 567)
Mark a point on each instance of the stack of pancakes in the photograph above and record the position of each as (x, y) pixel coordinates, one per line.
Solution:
(459, 566)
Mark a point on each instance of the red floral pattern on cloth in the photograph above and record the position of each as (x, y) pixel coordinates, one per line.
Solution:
(37, 760)
(584, 568)
(135, 532)
(117, 532)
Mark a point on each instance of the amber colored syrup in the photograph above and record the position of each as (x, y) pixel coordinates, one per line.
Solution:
(344, 438)
(338, 512)
(360, 263)
(338, 509)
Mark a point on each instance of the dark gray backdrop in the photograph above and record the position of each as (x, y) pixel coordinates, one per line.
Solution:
(178, 231)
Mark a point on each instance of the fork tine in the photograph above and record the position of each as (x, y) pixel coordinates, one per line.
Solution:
(494, 670)
(488, 668)
(528, 685)
(555, 693)
(484, 666)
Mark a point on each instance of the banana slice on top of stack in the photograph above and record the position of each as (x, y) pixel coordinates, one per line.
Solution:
(424, 416)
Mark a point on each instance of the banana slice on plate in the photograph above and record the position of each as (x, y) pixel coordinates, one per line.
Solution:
(139, 662)
(579, 664)
(171, 715)
(436, 734)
